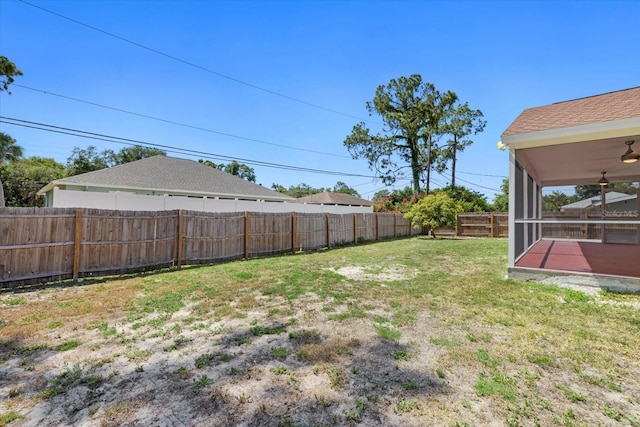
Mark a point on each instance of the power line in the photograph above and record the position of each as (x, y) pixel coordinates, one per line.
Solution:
(473, 184)
(191, 64)
(482, 174)
(177, 123)
(127, 141)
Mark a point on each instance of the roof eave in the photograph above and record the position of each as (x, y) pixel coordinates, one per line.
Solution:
(567, 135)
(52, 184)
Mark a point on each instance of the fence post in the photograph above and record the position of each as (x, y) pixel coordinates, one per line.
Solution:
(377, 226)
(395, 225)
(180, 237)
(355, 229)
(293, 232)
(328, 231)
(457, 224)
(76, 246)
(491, 227)
(246, 234)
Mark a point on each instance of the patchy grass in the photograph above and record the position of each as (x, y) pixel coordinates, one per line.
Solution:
(288, 341)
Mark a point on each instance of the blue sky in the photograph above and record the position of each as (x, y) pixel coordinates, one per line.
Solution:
(284, 82)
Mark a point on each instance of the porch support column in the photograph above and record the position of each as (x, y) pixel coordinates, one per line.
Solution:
(514, 190)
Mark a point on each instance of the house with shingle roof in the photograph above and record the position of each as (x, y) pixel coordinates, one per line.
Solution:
(161, 176)
(577, 142)
(613, 200)
(338, 199)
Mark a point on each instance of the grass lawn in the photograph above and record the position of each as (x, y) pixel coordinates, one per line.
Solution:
(411, 332)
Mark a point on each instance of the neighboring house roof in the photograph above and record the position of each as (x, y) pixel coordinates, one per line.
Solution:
(328, 198)
(610, 197)
(622, 104)
(170, 175)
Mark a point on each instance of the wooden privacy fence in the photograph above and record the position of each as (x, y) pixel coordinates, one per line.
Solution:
(43, 245)
(483, 224)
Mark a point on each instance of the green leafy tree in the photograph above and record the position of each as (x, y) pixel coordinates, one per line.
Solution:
(471, 201)
(381, 193)
(297, 191)
(396, 201)
(588, 191)
(501, 202)
(303, 190)
(234, 168)
(341, 187)
(83, 160)
(240, 170)
(23, 178)
(133, 153)
(436, 210)
(211, 164)
(554, 201)
(10, 151)
(8, 70)
(279, 188)
(413, 112)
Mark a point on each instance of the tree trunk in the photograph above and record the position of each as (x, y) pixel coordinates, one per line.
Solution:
(453, 161)
(1, 195)
(428, 164)
(415, 165)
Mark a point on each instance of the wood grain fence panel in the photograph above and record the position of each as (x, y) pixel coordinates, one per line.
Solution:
(211, 238)
(269, 233)
(311, 231)
(386, 225)
(403, 226)
(483, 224)
(35, 245)
(474, 224)
(366, 227)
(500, 224)
(341, 229)
(118, 242)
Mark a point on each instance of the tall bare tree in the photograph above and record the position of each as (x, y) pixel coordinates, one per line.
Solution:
(460, 123)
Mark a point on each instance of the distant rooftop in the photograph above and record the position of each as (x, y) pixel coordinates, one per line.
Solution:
(610, 197)
(171, 175)
(328, 198)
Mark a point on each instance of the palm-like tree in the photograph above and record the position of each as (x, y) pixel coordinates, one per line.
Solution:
(9, 152)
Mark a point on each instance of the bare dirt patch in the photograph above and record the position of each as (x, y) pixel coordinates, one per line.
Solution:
(392, 273)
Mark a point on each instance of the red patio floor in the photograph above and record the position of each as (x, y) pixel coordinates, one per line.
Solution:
(589, 257)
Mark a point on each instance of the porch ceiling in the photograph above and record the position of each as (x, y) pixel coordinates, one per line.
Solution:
(580, 163)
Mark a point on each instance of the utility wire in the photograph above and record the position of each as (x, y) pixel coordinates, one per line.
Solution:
(127, 141)
(471, 183)
(177, 123)
(191, 64)
(482, 174)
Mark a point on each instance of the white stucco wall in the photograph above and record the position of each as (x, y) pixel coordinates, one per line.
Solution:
(137, 202)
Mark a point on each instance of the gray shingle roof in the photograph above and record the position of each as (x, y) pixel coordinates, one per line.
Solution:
(610, 197)
(328, 198)
(169, 175)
